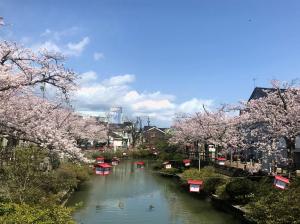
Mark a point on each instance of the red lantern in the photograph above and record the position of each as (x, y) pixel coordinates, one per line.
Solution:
(103, 169)
(221, 161)
(195, 185)
(187, 162)
(140, 164)
(281, 182)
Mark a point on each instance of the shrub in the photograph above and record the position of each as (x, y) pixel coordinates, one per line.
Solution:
(164, 156)
(156, 166)
(170, 171)
(263, 187)
(221, 192)
(239, 190)
(96, 154)
(178, 157)
(211, 184)
(142, 147)
(205, 173)
(277, 207)
(144, 153)
(27, 214)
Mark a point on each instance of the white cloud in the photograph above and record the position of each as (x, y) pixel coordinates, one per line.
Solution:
(87, 77)
(77, 48)
(116, 91)
(48, 45)
(120, 80)
(98, 56)
(194, 105)
(71, 49)
(55, 41)
(152, 105)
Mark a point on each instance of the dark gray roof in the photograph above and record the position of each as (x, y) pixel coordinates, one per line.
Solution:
(153, 128)
(260, 92)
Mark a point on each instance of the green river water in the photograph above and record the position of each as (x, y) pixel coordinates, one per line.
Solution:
(138, 196)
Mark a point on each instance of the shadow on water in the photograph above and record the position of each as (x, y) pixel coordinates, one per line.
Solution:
(131, 195)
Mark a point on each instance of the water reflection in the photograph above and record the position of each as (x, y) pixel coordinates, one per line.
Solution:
(131, 195)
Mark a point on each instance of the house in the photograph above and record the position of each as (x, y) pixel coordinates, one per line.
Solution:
(117, 141)
(153, 135)
(120, 136)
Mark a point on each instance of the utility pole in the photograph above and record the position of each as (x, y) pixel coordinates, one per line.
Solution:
(230, 157)
(254, 82)
(199, 162)
(108, 115)
(43, 89)
(199, 156)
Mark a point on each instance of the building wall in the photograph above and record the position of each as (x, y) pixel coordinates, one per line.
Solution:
(153, 136)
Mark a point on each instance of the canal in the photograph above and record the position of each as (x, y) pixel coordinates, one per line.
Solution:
(137, 196)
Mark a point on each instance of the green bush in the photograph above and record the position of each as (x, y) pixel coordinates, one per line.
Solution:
(96, 154)
(277, 207)
(156, 166)
(221, 192)
(263, 187)
(26, 183)
(163, 156)
(170, 171)
(240, 190)
(67, 176)
(295, 183)
(142, 147)
(178, 157)
(143, 153)
(203, 174)
(211, 184)
(11, 213)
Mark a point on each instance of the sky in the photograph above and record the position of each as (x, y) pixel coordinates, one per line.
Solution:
(162, 57)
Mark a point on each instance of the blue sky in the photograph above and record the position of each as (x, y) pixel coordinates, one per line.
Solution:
(161, 57)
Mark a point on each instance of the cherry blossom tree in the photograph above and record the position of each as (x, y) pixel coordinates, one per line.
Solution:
(261, 123)
(36, 120)
(265, 120)
(21, 67)
(207, 127)
(26, 116)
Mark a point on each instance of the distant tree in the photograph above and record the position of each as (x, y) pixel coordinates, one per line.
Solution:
(134, 128)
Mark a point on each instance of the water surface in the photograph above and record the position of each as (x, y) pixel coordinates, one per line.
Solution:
(137, 196)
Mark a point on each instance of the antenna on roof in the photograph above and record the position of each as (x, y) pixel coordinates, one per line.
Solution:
(254, 82)
(148, 121)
